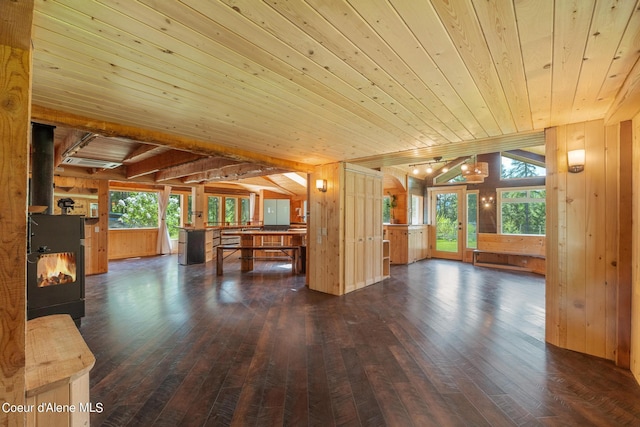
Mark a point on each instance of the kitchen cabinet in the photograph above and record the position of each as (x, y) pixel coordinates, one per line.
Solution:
(195, 246)
(408, 243)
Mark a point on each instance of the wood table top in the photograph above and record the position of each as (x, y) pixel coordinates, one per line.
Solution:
(294, 232)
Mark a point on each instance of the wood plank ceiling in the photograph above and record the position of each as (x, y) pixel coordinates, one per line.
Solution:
(261, 87)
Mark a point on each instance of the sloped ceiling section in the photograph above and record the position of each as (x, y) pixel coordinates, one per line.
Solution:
(301, 83)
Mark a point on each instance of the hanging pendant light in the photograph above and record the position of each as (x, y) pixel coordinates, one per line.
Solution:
(476, 172)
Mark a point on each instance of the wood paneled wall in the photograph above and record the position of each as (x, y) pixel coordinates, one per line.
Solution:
(583, 240)
(136, 242)
(96, 230)
(326, 228)
(635, 314)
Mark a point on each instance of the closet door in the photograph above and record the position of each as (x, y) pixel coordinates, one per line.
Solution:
(349, 261)
(362, 251)
(374, 211)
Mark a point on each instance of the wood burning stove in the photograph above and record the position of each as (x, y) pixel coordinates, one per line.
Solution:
(55, 269)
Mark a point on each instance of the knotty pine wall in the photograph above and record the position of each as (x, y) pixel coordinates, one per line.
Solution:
(583, 280)
(326, 228)
(635, 211)
(133, 242)
(95, 231)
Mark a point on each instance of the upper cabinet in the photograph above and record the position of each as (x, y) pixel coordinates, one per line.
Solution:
(277, 212)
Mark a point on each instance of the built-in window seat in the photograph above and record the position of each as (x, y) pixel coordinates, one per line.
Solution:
(512, 252)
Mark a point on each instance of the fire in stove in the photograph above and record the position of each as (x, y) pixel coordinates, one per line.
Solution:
(56, 269)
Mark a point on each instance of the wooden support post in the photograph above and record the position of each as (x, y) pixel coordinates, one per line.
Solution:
(199, 206)
(15, 102)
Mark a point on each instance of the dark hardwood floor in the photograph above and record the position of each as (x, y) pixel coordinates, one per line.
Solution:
(440, 343)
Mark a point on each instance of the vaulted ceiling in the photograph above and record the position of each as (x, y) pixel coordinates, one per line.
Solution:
(246, 88)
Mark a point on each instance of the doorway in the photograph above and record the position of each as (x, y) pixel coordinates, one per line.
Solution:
(447, 208)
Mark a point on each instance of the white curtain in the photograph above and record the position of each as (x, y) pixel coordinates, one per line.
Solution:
(252, 206)
(164, 242)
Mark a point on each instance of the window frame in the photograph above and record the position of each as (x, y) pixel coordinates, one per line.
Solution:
(500, 201)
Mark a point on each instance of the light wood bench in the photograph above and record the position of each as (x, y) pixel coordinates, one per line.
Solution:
(511, 252)
(247, 254)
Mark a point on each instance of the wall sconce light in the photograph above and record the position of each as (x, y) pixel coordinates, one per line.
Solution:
(321, 185)
(488, 201)
(575, 160)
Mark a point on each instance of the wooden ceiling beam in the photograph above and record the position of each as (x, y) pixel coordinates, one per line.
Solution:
(204, 148)
(192, 168)
(466, 148)
(137, 186)
(451, 172)
(526, 156)
(111, 175)
(138, 153)
(159, 162)
(69, 141)
(227, 173)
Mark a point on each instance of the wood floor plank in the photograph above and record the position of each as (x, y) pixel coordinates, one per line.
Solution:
(439, 343)
(296, 405)
(340, 392)
(393, 410)
(367, 406)
(320, 409)
(436, 406)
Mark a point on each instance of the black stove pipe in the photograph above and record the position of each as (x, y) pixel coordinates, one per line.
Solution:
(42, 154)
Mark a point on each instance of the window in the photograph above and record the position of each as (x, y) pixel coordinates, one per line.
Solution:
(472, 220)
(417, 209)
(214, 212)
(173, 216)
(230, 211)
(244, 211)
(128, 209)
(512, 168)
(522, 210)
(389, 202)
